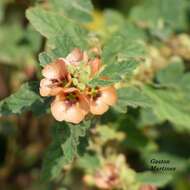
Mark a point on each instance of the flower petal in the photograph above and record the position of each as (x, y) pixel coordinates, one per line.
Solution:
(95, 66)
(84, 104)
(108, 95)
(98, 107)
(58, 109)
(75, 56)
(74, 114)
(56, 70)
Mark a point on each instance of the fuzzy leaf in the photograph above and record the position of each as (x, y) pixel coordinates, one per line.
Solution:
(119, 47)
(132, 97)
(172, 12)
(23, 100)
(64, 44)
(159, 180)
(114, 73)
(172, 74)
(66, 139)
(170, 104)
(80, 9)
(51, 24)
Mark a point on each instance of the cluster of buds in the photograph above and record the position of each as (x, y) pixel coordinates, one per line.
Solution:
(66, 79)
(108, 177)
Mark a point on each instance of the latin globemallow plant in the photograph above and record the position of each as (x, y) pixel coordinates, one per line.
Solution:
(66, 79)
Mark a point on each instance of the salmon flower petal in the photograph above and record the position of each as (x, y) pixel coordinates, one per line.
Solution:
(100, 104)
(75, 56)
(56, 70)
(109, 95)
(95, 66)
(98, 107)
(66, 110)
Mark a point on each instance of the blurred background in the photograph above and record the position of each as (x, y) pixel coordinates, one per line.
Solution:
(23, 139)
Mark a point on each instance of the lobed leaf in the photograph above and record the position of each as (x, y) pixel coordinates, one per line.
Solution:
(81, 9)
(62, 151)
(119, 47)
(159, 180)
(132, 97)
(51, 24)
(152, 12)
(170, 104)
(114, 73)
(24, 99)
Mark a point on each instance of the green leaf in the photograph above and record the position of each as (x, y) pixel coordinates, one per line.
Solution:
(64, 44)
(23, 100)
(114, 20)
(132, 97)
(51, 24)
(170, 104)
(119, 48)
(115, 73)
(90, 161)
(81, 9)
(62, 151)
(159, 180)
(148, 118)
(171, 75)
(152, 12)
(136, 139)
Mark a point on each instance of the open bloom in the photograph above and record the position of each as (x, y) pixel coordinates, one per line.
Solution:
(105, 97)
(55, 75)
(71, 107)
(67, 82)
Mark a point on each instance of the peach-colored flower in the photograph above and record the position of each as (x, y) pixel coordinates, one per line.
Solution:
(147, 187)
(56, 70)
(55, 76)
(69, 103)
(68, 109)
(95, 66)
(105, 97)
(76, 56)
(107, 177)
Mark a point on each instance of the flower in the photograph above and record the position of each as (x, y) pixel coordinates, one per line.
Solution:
(107, 177)
(71, 107)
(105, 97)
(55, 74)
(75, 57)
(56, 70)
(66, 79)
(147, 187)
(95, 65)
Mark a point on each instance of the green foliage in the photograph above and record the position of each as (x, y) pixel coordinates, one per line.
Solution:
(23, 100)
(168, 12)
(159, 180)
(81, 9)
(155, 117)
(18, 47)
(114, 73)
(64, 148)
(171, 102)
(121, 57)
(170, 105)
(51, 24)
(132, 97)
(120, 48)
